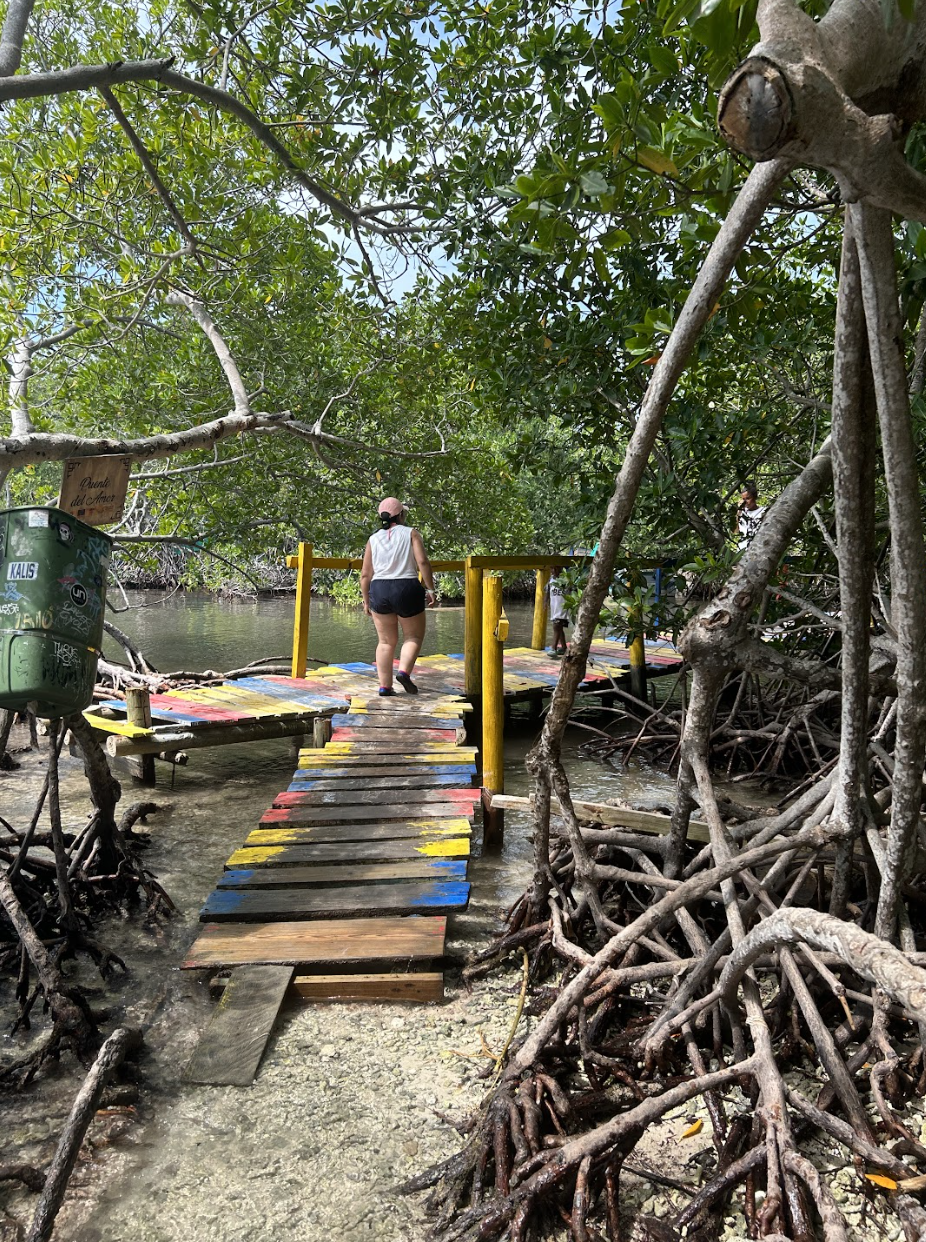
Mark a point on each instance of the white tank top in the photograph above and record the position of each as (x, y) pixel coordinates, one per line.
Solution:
(393, 555)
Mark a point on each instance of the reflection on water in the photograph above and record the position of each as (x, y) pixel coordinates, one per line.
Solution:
(197, 631)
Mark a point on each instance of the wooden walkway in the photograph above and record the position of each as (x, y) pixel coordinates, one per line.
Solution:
(241, 710)
(252, 708)
(343, 887)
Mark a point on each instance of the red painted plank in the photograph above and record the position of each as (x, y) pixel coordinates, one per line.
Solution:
(190, 707)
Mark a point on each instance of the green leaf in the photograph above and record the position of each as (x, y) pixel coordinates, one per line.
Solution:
(594, 184)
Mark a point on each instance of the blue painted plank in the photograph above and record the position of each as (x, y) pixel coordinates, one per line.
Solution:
(425, 869)
(357, 666)
(287, 904)
(158, 713)
(412, 769)
(299, 786)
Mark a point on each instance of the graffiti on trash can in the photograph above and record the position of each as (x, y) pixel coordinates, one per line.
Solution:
(78, 620)
(64, 668)
(44, 619)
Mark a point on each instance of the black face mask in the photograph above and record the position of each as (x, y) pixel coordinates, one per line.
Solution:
(388, 519)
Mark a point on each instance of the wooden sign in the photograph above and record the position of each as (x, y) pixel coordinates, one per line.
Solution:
(93, 488)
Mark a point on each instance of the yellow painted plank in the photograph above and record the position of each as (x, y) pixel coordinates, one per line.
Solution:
(438, 847)
(433, 828)
(122, 727)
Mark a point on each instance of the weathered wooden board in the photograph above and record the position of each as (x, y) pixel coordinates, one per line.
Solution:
(613, 816)
(231, 1046)
(257, 905)
(456, 756)
(315, 815)
(448, 796)
(357, 771)
(428, 703)
(349, 853)
(325, 942)
(295, 692)
(347, 874)
(419, 987)
(174, 702)
(395, 733)
(293, 834)
(441, 750)
(394, 720)
(372, 784)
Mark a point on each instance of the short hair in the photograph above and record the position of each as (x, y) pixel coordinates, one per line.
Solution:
(751, 489)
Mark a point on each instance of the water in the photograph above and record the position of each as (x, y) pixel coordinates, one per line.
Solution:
(206, 813)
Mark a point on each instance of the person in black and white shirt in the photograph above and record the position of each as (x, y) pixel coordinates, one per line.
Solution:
(749, 516)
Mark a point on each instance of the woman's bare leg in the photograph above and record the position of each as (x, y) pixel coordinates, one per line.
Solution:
(412, 637)
(387, 635)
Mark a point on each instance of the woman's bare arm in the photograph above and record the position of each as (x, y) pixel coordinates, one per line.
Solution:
(366, 577)
(424, 566)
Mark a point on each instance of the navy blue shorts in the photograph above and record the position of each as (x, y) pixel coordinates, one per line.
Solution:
(403, 596)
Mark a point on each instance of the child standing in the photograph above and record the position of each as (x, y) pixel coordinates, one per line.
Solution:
(558, 614)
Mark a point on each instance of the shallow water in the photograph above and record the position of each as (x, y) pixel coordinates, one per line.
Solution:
(206, 812)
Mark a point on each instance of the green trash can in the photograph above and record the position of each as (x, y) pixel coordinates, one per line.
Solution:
(52, 592)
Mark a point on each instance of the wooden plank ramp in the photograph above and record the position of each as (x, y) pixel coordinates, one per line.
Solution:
(343, 888)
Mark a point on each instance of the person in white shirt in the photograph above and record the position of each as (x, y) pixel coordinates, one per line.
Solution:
(393, 594)
(749, 516)
(558, 614)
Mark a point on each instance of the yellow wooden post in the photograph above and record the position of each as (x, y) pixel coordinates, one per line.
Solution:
(541, 609)
(494, 632)
(472, 635)
(638, 668)
(303, 600)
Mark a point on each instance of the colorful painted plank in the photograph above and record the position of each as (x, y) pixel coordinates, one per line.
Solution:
(294, 693)
(340, 757)
(297, 834)
(395, 720)
(349, 853)
(322, 943)
(359, 901)
(394, 733)
(414, 748)
(464, 798)
(174, 702)
(356, 814)
(120, 727)
(370, 784)
(355, 771)
(336, 876)
(118, 705)
(254, 706)
(231, 1046)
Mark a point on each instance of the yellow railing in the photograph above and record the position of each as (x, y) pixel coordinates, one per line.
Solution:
(485, 632)
(474, 567)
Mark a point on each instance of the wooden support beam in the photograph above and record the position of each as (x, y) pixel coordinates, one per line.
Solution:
(614, 816)
(303, 602)
(162, 741)
(493, 707)
(541, 609)
(138, 710)
(472, 633)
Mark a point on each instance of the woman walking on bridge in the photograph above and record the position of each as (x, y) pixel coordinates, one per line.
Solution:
(392, 560)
